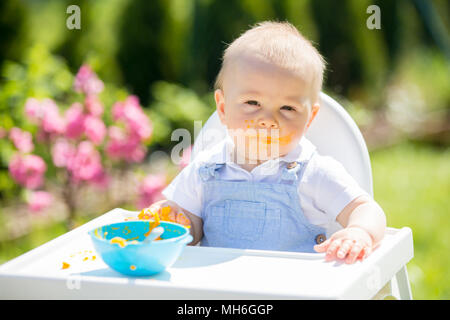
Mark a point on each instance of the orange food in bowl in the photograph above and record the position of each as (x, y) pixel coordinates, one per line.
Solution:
(120, 241)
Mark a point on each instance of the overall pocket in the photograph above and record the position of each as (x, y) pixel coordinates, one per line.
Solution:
(245, 219)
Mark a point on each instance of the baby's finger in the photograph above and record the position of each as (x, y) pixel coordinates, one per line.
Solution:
(164, 212)
(172, 216)
(361, 255)
(331, 251)
(367, 252)
(354, 253)
(323, 246)
(182, 219)
(344, 249)
(364, 253)
(146, 213)
(154, 206)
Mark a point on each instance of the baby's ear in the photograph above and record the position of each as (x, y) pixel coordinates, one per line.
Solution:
(314, 110)
(220, 104)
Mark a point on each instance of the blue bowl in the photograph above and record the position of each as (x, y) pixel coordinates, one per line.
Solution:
(138, 258)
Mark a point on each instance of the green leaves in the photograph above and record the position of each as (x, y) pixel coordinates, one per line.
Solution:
(176, 107)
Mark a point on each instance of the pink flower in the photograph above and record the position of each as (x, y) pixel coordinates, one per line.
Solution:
(34, 110)
(27, 170)
(63, 153)
(93, 105)
(127, 144)
(134, 117)
(75, 121)
(185, 158)
(23, 140)
(46, 114)
(39, 200)
(117, 110)
(150, 190)
(87, 82)
(95, 129)
(124, 146)
(79, 123)
(86, 164)
(117, 139)
(52, 122)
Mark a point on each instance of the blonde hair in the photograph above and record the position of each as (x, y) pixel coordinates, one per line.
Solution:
(282, 44)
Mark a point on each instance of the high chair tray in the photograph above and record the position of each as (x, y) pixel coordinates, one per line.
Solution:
(200, 272)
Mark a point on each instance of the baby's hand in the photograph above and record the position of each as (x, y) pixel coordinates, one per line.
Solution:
(167, 211)
(350, 244)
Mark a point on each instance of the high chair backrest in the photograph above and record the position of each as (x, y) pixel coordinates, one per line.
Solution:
(333, 132)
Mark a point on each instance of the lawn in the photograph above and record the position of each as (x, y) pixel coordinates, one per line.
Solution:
(411, 183)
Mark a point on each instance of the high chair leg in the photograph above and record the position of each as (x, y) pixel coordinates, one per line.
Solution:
(397, 288)
(402, 279)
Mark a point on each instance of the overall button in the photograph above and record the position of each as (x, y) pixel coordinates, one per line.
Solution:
(320, 238)
(291, 165)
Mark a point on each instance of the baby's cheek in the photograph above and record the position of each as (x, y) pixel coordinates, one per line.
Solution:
(248, 123)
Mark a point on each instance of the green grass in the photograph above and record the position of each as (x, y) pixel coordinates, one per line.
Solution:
(412, 184)
(40, 234)
(10, 249)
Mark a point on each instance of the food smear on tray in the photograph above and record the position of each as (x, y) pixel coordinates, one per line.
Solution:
(80, 256)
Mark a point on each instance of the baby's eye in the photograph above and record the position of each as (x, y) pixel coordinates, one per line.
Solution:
(253, 103)
(289, 108)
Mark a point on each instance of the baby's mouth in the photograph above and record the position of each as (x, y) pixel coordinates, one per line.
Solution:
(267, 139)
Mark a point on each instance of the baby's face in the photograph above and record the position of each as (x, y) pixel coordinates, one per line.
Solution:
(265, 106)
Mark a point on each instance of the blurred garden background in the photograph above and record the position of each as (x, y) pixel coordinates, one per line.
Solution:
(86, 115)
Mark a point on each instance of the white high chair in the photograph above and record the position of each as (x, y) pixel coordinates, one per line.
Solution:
(224, 273)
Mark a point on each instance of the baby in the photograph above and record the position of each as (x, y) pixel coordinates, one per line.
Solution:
(265, 186)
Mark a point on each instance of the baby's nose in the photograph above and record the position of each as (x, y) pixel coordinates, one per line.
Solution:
(268, 123)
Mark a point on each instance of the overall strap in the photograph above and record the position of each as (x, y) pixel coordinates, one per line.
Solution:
(209, 170)
(293, 171)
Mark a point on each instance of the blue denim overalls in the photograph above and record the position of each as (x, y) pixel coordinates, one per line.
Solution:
(256, 215)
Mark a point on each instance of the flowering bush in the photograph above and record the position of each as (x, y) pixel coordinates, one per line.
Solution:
(78, 142)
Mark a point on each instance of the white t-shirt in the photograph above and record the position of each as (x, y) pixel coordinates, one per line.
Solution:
(324, 190)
